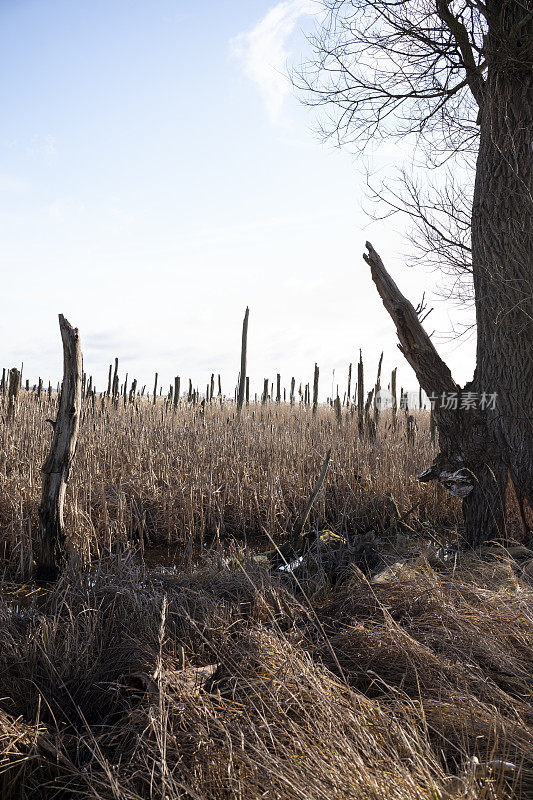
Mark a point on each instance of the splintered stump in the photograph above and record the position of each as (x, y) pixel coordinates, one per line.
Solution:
(56, 468)
(13, 392)
(242, 375)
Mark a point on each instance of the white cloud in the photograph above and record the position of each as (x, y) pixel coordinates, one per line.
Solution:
(263, 51)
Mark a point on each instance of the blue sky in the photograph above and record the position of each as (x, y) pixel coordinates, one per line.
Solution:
(158, 174)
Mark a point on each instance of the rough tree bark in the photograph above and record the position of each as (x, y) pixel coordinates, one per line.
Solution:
(56, 468)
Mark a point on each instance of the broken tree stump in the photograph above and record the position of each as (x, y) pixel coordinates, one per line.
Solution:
(315, 390)
(242, 375)
(13, 392)
(56, 468)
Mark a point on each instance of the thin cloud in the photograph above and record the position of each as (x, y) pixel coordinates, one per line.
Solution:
(263, 51)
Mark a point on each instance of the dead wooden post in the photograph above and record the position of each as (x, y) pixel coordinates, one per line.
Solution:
(212, 387)
(56, 468)
(242, 376)
(133, 390)
(155, 389)
(291, 397)
(264, 398)
(3, 383)
(109, 380)
(394, 398)
(114, 391)
(360, 393)
(315, 390)
(13, 392)
(39, 388)
(189, 393)
(410, 429)
(369, 423)
(278, 388)
(219, 388)
(338, 409)
(176, 390)
(377, 392)
(114, 385)
(247, 390)
(349, 385)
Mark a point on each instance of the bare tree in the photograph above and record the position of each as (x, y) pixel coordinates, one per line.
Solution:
(457, 75)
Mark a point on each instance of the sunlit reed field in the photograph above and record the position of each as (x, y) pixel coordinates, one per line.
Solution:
(148, 474)
(172, 661)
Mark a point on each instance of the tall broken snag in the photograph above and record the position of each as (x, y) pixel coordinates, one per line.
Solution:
(56, 468)
(433, 374)
(242, 375)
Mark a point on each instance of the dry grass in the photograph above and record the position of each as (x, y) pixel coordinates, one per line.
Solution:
(149, 475)
(229, 682)
(366, 673)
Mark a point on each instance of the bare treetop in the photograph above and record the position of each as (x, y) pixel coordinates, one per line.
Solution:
(398, 68)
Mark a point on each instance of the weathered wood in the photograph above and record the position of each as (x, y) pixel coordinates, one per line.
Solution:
(155, 389)
(13, 392)
(338, 409)
(242, 376)
(57, 466)
(176, 390)
(278, 388)
(291, 397)
(114, 387)
(360, 393)
(394, 397)
(315, 390)
(349, 385)
(432, 372)
(264, 397)
(377, 391)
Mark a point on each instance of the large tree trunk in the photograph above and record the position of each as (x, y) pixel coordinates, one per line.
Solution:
(487, 451)
(471, 464)
(500, 506)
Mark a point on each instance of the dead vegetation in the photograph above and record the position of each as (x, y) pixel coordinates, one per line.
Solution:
(148, 475)
(229, 681)
(387, 664)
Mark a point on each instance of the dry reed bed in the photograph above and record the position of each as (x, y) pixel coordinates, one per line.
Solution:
(228, 682)
(145, 473)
